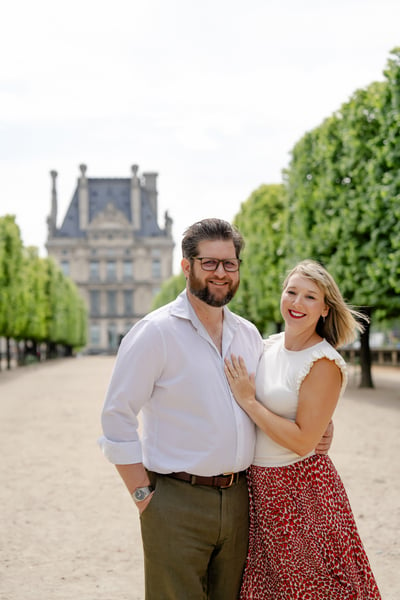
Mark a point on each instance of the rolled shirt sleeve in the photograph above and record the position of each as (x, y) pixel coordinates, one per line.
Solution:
(121, 453)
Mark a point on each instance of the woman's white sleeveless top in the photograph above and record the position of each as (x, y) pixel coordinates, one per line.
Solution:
(279, 376)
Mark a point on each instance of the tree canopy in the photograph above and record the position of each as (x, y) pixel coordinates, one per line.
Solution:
(169, 290)
(262, 222)
(13, 289)
(37, 302)
(343, 186)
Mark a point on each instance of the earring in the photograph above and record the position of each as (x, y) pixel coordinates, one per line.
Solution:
(323, 320)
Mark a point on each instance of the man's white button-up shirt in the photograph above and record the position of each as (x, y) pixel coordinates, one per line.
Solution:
(169, 370)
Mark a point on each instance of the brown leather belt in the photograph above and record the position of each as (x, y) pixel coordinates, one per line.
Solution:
(223, 481)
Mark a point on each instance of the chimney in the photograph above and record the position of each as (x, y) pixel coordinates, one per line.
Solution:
(168, 224)
(83, 198)
(150, 184)
(52, 218)
(135, 199)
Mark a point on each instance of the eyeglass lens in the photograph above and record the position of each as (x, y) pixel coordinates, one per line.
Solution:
(212, 264)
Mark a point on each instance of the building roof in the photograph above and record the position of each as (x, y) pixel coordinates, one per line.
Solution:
(103, 192)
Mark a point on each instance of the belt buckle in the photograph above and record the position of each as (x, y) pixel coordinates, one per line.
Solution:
(232, 476)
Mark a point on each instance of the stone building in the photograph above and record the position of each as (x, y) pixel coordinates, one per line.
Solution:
(112, 247)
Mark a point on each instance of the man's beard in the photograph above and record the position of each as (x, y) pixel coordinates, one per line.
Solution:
(204, 294)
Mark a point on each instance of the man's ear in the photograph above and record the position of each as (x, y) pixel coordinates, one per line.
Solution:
(185, 264)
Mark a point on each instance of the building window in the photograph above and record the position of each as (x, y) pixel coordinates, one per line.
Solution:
(94, 335)
(94, 302)
(111, 302)
(127, 270)
(94, 270)
(156, 268)
(112, 336)
(128, 302)
(111, 270)
(65, 267)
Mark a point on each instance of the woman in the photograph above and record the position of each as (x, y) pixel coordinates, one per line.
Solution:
(304, 542)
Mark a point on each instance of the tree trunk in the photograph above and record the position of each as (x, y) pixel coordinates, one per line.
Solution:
(51, 350)
(20, 353)
(8, 351)
(365, 353)
(68, 351)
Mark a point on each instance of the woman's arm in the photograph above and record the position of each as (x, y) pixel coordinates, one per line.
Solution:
(318, 396)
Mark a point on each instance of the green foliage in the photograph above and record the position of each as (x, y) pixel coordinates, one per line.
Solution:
(37, 302)
(344, 194)
(65, 309)
(262, 222)
(170, 289)
(35, 274)
(343, 187)
(12, 285)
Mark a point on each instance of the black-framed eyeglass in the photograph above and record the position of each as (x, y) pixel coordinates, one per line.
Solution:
(231, 265)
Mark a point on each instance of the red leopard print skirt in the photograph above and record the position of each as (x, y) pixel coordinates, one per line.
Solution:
(304, 543)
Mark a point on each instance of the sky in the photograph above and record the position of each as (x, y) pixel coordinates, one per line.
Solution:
(212, 95)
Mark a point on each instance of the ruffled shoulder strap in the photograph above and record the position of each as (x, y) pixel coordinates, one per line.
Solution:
(323, 350)
(271, 340)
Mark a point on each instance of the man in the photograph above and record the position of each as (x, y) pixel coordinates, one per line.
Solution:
(187, 472)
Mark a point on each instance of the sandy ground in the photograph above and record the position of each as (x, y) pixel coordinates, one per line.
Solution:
(68, 528)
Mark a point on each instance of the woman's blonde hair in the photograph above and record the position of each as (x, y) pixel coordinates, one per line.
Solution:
(341, 324)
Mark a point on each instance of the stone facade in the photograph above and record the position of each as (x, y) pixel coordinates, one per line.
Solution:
(112, 247)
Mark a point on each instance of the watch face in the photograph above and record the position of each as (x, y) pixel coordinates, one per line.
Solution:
(140, 495)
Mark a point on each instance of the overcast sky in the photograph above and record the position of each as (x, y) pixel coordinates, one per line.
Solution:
(211, 94)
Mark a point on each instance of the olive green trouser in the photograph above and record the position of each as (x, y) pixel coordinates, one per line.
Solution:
(194, 540)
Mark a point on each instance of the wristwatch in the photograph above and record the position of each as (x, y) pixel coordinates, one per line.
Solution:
(141, 493)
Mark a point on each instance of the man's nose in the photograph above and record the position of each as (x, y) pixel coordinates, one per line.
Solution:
(220, 269)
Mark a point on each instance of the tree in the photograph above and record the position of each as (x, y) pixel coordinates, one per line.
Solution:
(65, 311)
(344, 194)
(384, 182)
(262, 222)
(169, 290)
(74, 318)
(13, 302)
(35, 282)
(37, 302)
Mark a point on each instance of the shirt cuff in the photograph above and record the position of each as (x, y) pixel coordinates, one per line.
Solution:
(121, 453)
